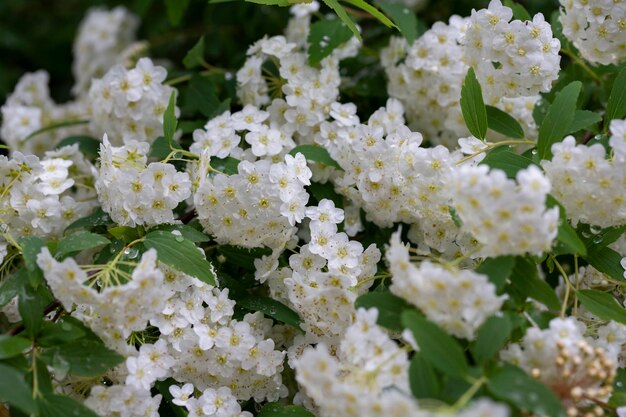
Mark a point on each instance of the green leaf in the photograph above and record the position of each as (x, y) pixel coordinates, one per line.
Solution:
(31, 246)
(558, 120)
(12, 285)
(169, 119)
(181, 254)
(228, 165)
(325, 35)
(52, 405)
(280, 410)
(30, 305)
(59, 333)
(89, 146)
(15, 391)
(316, 154)
(272, 308)
(616, 107)
(583, 119)
(606, 260)
(618, 398)
(438, 348)
(423, 380)
(195, 56)
(167, 408)
(403, 17)
(186, 231)
(519, 12)
(526, 280)
(243, 257)
(126, 233)
(513, 385)
(501, 122)
(473, 106)
(602, 305)
(490, 338)
(176, 10)
(569, 241)
(363, 5)
(160, 148)
(201, 96)
(85, 357)
(504, 159)
(12, 346)
(603, 238)
(390, 308)
(79, 241)
(97, 218)
(281, 3)
(497, 269)
(343, 15)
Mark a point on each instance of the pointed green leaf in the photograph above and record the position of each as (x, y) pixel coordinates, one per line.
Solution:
(315, 153)
(519, 12)
(390, 308)
(504, 123)
(343, 15)
(497, 269)
(85, 357)
(52, 405)
(325, 35)
(583, 119)
(403, 17)
(616, 107)
(491, 337)
(606, 260)
(602, 305)
(504, 159)
(271, 308)
(422, 378)
(473, 106)
(201, 96)
(181, 254)
(79, 241)
(281, 410)
(558, 120)
(12, 346)
(363, 5)
(525, 279)
(169, 120)
(513, 385)
(195, 56)
(438, 348)
(15, 391)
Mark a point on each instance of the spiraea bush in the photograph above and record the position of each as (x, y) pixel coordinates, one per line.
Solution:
(330, 209)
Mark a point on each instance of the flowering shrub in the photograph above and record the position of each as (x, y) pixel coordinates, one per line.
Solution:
(343, 222)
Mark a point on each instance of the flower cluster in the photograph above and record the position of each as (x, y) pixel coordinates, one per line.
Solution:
(96, 297)
(576, 368)
(511, 58)
(590, 187)
(505, 216)
(30, 108)
(102, 37)
(459, 301)
(596, 27)
(128, 105)
(325, 277)
(41, 197)
(133, 193)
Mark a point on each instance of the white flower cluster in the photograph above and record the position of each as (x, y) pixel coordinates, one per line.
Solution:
(427, 77)
(507, 217)
(597, 28)
(111, 311)
(308, 91)
(30, 108)
(102, 37)
(590, 187)
(123, 400)
(259, 205)
(41, 197)
(211, 403)
(201, 343)
(128, 105)
(458, 300)
(324, 279)
(575, 367)
(368, 376)
(133, 193)
(514, 58)
(513, 61)
(390, 176)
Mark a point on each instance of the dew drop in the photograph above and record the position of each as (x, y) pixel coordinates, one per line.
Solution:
(595, 229)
